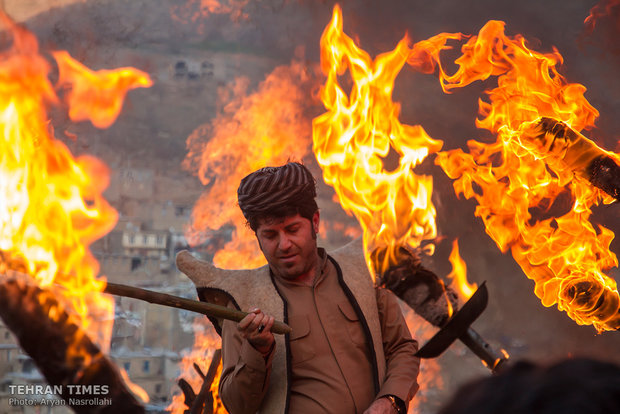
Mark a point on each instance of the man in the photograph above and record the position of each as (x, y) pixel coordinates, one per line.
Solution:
(349, 351)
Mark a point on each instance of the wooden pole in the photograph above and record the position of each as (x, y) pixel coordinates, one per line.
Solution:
(202, 402)
(209, 309)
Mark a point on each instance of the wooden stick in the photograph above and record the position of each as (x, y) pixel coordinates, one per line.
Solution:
(209, 309)
(198, 407)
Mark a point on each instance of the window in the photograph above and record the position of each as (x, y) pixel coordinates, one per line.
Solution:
(28, 366)
(135, 262)
(126, 366)
(180, 211)
(158, 389)
(145, 366)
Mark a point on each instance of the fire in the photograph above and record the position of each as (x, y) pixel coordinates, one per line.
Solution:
(196, 11)
(97, 96)
(253, 131)
(360, 129)
(133, 387)
(459, 274)
(525, 171)
(601, 9)
(206, 341)
(51, 204)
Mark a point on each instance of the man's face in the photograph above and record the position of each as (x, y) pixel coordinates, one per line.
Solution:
(289, 245)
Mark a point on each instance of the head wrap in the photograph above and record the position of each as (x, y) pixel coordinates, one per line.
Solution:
(272, 187)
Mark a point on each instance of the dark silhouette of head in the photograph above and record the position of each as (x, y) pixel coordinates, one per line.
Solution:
(573, 386)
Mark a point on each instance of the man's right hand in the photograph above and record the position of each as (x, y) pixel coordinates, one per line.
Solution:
(256, 328)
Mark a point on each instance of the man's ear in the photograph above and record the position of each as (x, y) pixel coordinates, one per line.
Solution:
(316, 218)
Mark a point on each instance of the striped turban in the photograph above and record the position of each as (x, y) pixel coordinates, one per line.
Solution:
(272, 187)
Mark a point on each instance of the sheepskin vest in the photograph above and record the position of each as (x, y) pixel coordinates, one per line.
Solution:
(256, 287)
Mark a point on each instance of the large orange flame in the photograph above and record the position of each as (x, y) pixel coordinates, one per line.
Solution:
(254, 130)
(358, 132)
(524, 169)
(51, 205)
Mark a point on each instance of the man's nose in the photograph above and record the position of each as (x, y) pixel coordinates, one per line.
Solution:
(285, 242)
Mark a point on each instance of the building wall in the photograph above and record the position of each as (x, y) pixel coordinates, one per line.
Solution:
(148, 372)
(8, 358)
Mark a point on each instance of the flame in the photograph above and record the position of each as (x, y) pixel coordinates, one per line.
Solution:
(196, 11)
(97, 96)
(521, 172)
(51, 204)
(251, 132)
(137, 390)
(360, 129)
(459, 274)
(601, 9)
(206, 341)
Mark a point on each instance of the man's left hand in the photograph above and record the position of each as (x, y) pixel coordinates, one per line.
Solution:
(380, 406)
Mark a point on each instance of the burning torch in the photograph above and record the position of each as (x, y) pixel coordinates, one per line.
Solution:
(587, 160)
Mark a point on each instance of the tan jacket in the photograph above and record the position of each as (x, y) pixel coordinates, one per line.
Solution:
(256, 288)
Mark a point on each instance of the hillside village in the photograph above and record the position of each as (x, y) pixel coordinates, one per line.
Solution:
(154, 194)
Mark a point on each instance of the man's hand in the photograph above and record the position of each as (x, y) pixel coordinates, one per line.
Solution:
(256, 328)
(381, 406)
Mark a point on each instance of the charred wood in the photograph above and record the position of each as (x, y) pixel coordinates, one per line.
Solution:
(201, 403)
(204, 400)
(62, 351)
(577, 152)
(420, 288)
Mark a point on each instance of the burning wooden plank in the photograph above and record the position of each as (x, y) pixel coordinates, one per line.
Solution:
(202, 403)
(420, 288)
(537, 156)
(554, 138)
(65, 355)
